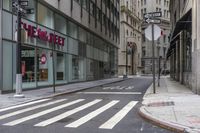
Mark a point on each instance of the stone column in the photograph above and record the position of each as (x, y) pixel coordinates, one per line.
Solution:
(177, 61)
(1, 52)
(181, 56)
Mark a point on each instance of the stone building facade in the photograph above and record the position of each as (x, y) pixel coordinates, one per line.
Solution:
(130, 37)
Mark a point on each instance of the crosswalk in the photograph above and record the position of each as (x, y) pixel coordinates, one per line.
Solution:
(40, 109)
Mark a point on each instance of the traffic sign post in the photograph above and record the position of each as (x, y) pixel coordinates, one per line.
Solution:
(153, 32)
(20, 7)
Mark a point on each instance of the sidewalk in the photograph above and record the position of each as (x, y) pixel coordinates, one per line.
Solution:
(8, 99)
(174, 107)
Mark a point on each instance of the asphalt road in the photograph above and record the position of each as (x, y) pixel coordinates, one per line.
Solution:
(111, 108)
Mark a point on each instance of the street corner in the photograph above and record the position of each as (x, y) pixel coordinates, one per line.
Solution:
(150, 117)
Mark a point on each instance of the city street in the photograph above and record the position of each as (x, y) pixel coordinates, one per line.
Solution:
(111, 108)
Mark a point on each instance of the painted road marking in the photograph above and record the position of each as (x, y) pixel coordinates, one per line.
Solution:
(119, 88)
(22, 105)
(18, 121)
(66, 114)
(115, 93)
(29, 109)
(91, 115)
(119, 116)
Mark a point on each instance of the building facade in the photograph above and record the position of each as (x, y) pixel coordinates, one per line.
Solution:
(71, 39)
(162, 44)
(130, 37)
(184, 48)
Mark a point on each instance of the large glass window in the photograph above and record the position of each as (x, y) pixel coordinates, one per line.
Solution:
(60, 68)
(44, 67)
(31, 5)
(7, 5)
(7, 66)
(60, 24)
(90, 69)
(7, 25)
(82, 34)
(72, 30)
(28, 67)
(45, 16)
(72, 46)
(77, 68)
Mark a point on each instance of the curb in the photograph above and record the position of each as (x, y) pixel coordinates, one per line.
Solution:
(161, 123)
(64, 93)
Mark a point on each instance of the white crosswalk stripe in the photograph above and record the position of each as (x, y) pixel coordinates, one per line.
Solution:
(29, 109)
(109, 124)
(66, 114)
(119, 116)
(22, 105)
(91, 115)
(18, 121)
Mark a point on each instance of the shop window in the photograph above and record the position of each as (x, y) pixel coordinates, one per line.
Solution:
(44, 67)
(60, 67)
(77, 68)
(7, 66)
(90, 69)
(28, 67)
(45, 16)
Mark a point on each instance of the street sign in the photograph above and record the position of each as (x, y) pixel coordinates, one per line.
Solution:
(148, 32)
(30, 11)
(155, 21)
(153, 15)
(23, 3)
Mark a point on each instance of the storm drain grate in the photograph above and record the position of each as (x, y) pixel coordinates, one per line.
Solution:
(158, 104)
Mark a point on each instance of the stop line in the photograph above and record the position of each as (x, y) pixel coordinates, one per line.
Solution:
(118, 88)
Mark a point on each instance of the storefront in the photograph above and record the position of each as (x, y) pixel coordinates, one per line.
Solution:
(51, 42)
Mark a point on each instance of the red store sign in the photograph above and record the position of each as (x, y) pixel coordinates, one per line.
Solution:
(43, 35)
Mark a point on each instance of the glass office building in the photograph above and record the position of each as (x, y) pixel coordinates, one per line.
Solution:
(53, 41)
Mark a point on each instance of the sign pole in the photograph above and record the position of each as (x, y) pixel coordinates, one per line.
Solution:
(18, 89)
(153, 59)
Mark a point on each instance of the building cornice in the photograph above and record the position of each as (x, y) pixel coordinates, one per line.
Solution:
(131, 14)
(135, 29)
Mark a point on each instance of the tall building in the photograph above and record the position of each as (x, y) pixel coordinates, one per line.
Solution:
(184, 50)
(80, 37)
(130, 37)
(162, 44)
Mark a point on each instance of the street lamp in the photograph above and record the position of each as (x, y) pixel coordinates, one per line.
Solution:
(126, 73)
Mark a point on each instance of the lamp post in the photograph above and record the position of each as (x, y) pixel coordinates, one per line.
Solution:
(126, 72)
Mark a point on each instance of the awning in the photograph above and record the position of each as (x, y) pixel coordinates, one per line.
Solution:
(183, 23)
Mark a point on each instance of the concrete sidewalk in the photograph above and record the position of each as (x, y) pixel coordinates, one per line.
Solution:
(174, 107)
(8, 99)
